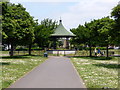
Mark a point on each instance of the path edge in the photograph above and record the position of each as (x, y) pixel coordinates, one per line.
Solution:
(78, 75)
(26, 74)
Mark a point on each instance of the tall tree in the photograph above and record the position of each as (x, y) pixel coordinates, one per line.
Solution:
(82, 36)
(81, 33)
(104, 30)
(92, 34)
(17, 25)
(116, 27)
(96, 32)
(100, 32)
(43, 32)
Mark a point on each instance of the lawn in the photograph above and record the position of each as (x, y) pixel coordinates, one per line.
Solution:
(87, 52)
(97, 72)
(15, 67)
(34, 52)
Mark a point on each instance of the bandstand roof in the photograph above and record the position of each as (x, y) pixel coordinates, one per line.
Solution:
(60, 31)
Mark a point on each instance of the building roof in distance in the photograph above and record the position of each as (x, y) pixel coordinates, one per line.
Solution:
(60, 31)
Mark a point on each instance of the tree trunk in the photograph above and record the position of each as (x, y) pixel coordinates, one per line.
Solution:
(30, 49)
(67, 43)
(90, 49)
(11, 50)
(54, 46)
(107, 51)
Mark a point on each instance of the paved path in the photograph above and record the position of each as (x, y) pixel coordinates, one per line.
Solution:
(56, 72)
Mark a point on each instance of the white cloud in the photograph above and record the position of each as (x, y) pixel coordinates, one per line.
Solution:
(81, 12)
(87, 10)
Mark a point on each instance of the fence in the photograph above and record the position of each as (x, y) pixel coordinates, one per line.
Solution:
(77, 53)
(33, 52)
(87, 53)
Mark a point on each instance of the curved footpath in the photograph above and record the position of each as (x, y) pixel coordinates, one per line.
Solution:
(56, 72)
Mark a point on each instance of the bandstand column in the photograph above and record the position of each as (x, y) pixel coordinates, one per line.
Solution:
(67, 42)
(54, 45)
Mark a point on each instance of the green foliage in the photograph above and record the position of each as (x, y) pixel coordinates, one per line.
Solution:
(88, 48)
(116, 12)
(96, 32)
(43, 32)
(116, 31)
(101, 48)
(17, 24)
(82, 35)
(104, 28)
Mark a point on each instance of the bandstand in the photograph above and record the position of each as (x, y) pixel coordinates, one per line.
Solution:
(59, 33)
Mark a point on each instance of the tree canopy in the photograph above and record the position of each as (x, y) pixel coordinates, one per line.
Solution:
(116, 31)
(94, 33)
(17, 25)
(82, 35)
(43, 32)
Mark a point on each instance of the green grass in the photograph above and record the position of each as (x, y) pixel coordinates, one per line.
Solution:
(98, 72)
(86, 52)
(15, 67)
(33, 52)
(4, 53)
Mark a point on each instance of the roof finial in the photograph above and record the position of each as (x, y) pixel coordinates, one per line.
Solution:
(60, 20)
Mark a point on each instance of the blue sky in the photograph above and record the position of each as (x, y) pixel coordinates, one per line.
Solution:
(72, 12)
(43, 10)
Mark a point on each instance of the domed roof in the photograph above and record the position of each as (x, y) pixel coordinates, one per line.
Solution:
(60, 31)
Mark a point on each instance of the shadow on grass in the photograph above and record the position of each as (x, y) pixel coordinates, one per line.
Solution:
(116, 56)
(4, 63)
(19, 56)
(113, 66)
(94, 58)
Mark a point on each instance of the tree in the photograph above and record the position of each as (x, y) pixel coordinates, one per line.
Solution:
(105, 30)
(43, 32)
(100, 32)
(96, 32)
(116, 27)
(17, 25)
(82, 36)
(92, 34)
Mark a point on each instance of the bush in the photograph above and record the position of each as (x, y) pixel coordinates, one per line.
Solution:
(21, 49)
(102, 48)
(88, 48)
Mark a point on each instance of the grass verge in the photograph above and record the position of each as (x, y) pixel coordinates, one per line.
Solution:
(98, 72)
(15, 67)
